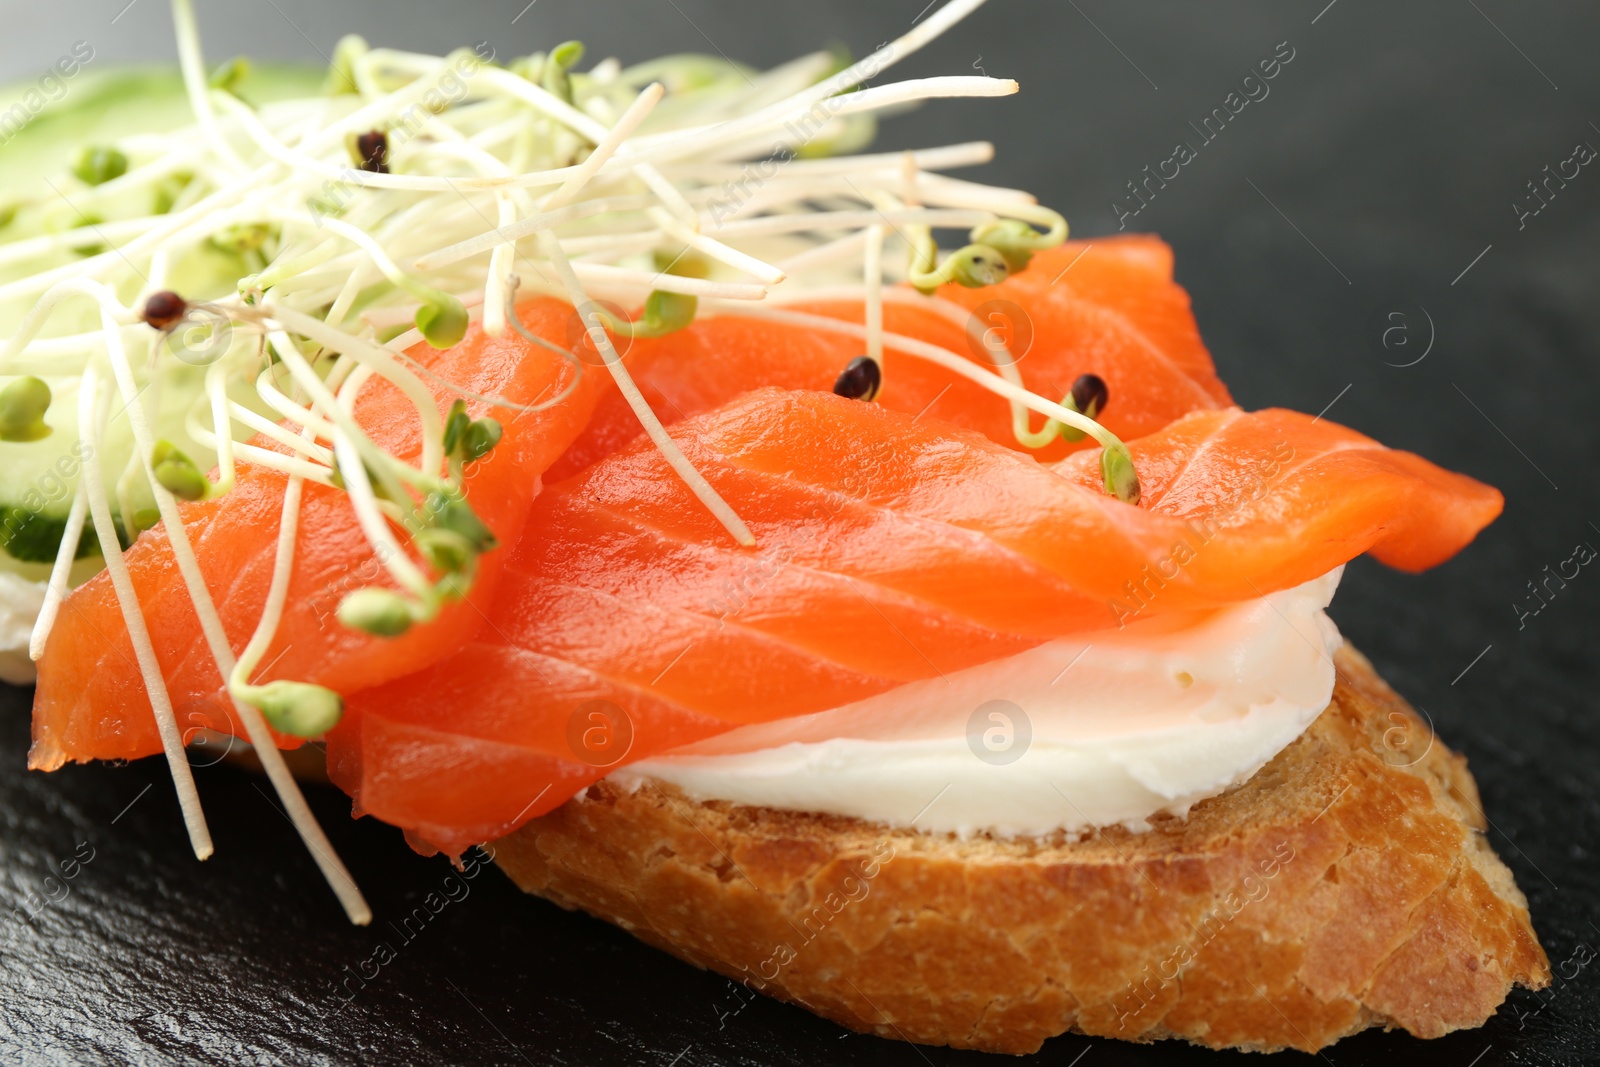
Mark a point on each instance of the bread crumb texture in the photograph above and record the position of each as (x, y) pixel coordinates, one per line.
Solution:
(1348, 884)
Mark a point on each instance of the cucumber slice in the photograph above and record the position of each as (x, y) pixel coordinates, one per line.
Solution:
(38, 478)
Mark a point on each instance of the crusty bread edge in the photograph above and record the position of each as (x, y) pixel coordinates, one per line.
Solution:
(1348, 884)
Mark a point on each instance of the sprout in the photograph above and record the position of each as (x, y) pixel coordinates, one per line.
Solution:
(976, 266)
(480, 438)
(100, 164)
(1116, 467)
(380, 612)
(466, 439)
(665, 313)
(861, 379)
(455, 426)
(371, 151)
(23, 404)
(177, 473)
(228, 76)
(1089, 395)
(973, 267)
(450, 511)
(562, 58)
(243, 239)
(341, 75)
(164, 310)
(167, 190)
(1015, 240)
(446, 550)
(299, 709)
(442, 319)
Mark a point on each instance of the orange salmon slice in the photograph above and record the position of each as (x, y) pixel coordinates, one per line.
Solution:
(890, 549)
(90, 702)
(1108, 307)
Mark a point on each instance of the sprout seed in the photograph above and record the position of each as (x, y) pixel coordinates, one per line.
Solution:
(862, 379)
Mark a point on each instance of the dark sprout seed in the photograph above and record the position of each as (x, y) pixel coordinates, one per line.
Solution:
(373, 148)
(861, 380)
(1089, 394)
(164, 310)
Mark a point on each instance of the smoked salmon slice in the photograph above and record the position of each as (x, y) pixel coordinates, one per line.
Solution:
(1107, 307)
(90, 702)
(890, 548)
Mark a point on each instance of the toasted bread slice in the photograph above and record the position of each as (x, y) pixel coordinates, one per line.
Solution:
(1348, 884)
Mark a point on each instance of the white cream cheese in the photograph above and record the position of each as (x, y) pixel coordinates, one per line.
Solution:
(20, 601)
(1110, 727)
(22, 589)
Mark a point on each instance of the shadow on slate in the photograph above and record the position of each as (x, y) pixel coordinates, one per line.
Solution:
(1385, 158)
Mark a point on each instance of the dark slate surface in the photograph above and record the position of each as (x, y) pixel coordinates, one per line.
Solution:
(1385, 159)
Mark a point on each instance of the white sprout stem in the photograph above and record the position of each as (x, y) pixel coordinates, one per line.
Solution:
(806, 222)
(966, 154)
(275, 399)
(855, 74)
(641, 408)
(346, 435)
(1004, 363)
(260, 735)
(144, 652)
(839, 250)
(265, 426)
(670, 197)
(500, 262)
(277, 590)
(872, 270)
(222, 444)
(606, 147)
(605, 273)
(734, 258)
(381, 360)
(545, 220)
(57, 589)
(943, 357)
(262, 457)
(194, 80)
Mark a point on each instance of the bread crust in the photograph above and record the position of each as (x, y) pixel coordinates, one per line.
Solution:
(1348, 884)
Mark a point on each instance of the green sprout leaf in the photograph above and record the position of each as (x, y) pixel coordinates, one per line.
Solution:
(177, 473)
(299, 708)
(228, 76)
(1116, 467)
(442, 320)
(976, 266)
(480, 438)
(341, 78)
(665, 313)
(100, 164)
(380, 612)
(23, 404)
(1014, 239)
(455, 426)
